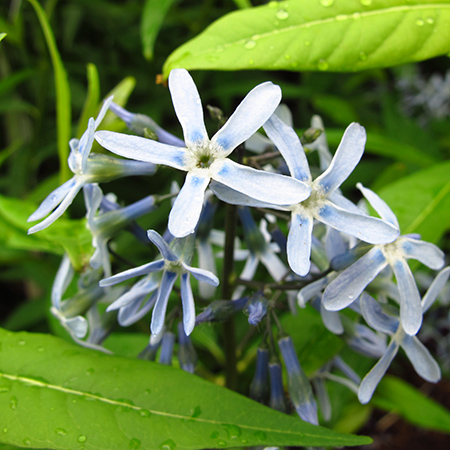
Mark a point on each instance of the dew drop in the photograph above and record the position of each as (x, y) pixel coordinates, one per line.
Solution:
(356, 15)
(81, 438)
(145, 413)
(282, 14)
(134, 444)
(214, 435)
(197, 411)
(26, 441)
(250, 44)
(211, 58)
(420, 22)
(5, 430)
(167, 445)
(341, 17)
(90, 371)
(362, 56)
(74, 400)
(147, 392)
(326, 2)
(430, 20)
(13, 403)
(21, 342)
(366, 2)
(351, 295)
(221, 443)
(260, 435)
(60, 431)
(233, 431)
(244, 441)
(322, 65)
(40, 349)
(273, 4)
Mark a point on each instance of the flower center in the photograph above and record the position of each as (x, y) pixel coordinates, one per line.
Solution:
(202, 155)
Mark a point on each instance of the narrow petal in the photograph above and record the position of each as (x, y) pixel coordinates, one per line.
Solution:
(135, 310)
(421, 359)
(379, 205)
(366, 228)
(207, 261)
(299, 243)
(186, 210)
(347, 287)
(435, 288)
(274, 265)
(159, 311)
(247, 273)
(142, 149)
(187, 299)
(85, 143)
(162, 245)
(344, 203)
(92, 199)
(53, 200)
(60, 210)
(290, 147)
(371, 380)
(346, 158)
(188, 106)
(202, 275)
(375, 316)
(313, 289)
(250, 115)
(104, 110)
(410, 302)
(264, 186)
(62, 280)
(425, 252)
(154, 266)
(331, 320)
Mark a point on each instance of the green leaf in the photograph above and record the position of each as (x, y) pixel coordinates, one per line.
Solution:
(93, 97)
(63, 111)
(2, 35)
(153, 16)
(121, 93)
(422, 202)
(65, 235)
(300, 35)
(57, 396)
(397, 396)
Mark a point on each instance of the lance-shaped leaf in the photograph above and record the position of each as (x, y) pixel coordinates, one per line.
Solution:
(54, 395)
(343, 36)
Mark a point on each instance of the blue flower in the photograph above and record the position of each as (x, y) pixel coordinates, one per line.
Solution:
(325, 203)
(417, 353)
(172, 265)
(205, 159)
(347, 287)
(87, 168)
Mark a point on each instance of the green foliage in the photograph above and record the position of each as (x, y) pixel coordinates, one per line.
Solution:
(343, 36)
(2, 36)
(139, 404)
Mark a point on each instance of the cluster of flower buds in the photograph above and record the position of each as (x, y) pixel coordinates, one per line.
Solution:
(334, 254)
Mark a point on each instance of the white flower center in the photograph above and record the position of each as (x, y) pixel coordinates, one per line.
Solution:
(314, 202)
(393, 251)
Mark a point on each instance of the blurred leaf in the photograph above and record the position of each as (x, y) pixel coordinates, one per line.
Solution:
(152, 19)
(397, 396)
(71, 236)
(335, 107)
(45, 380)
(7, 84)
(121, 93)
(27, 315)
(422, 202)
(92, 100)
(299, 35)
(63, 105)
(2, 35)
(126, 344)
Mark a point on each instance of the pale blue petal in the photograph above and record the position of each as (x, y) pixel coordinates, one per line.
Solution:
(274, 265)
(425, 252)
(154, 266)
(202, 275)
(186, 210)
(421, 359)
(311, 290)
(135, 311)
(162, 245)
(247, 273)
(187, 300)
(367, 342)
(62, 280)
(159, 311)
(299, 243)
(233, 197)
(188, 106)
(207, 261)
(376, 317)
(371, 380)
(344, 203)
(347, 287)
(320, 144)
(92, 198)
(60, 210)
(85, 143)
(77, 326)
(334, 243)
(290, 147)
(346, 158)
(53, 200)
(142, 149)
(379, 205)
(103, 111)
(250, 115)
(264, 186)
(435, 288)
(331, 320)
(366, 228)
(410, 302)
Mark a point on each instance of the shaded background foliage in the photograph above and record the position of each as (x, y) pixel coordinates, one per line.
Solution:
(401, 140)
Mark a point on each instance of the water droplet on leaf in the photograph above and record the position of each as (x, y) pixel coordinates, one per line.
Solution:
(168, 445)
(21, 342)
(250, 44)
(420, 22)
(197, 411)
(40, 349)
(233, 431)
(341, 17)
(366, 2)
(260, 435)
(81, 438)
(430, 20)
(326, 2)
(60, 431)
(145, 413)
(90, 371)
(362, 56)
(214, 435)
(5, 430)
(322, 65)
(282, 14)
(134, 444)
(13, 403)
(26, 441)
(221, 443)
(356, 15)
(147, 392)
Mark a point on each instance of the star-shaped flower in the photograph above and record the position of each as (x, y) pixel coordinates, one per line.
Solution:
(87, 168)
(204, 159)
